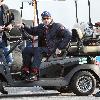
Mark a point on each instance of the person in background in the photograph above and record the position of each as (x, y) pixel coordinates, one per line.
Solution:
(52, 38)
(3, 37)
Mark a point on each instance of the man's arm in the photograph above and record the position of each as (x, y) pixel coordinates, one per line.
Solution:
(30, 30)
(65, 36)
(8, 17)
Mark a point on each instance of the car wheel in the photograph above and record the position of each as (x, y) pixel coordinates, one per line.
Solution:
(83, 83)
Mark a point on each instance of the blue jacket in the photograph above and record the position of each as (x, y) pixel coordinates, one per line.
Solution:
(54, 36)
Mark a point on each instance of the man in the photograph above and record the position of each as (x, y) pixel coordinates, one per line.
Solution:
(52, 37)
(5, 23)
(4, 18)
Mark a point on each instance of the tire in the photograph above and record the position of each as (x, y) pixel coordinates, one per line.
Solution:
(83, 83)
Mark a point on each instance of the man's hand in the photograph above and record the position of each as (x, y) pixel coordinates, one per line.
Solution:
(9, 27)
(1, 28)
(22, 25)
(58, 51)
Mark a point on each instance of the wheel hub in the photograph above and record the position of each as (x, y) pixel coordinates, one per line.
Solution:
(84, 84)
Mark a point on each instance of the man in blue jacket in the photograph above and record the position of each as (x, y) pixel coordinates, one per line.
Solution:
(52, 38)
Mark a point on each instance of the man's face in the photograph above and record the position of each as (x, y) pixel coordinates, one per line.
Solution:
(46, 20)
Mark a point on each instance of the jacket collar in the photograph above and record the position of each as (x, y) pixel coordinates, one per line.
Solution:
(50, 25)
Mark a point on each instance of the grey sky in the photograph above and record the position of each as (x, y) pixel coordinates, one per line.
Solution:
(62, 11)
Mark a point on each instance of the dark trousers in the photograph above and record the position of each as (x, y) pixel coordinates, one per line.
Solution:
(9, 58)
(32, 56)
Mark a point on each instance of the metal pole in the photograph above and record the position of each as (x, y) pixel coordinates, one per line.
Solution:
(21, 9)
(89, 11)
(35, 22)
(35, 9)
(37, 14)
(90, 23)
(33, 4)
(24, 41)
(76, 11)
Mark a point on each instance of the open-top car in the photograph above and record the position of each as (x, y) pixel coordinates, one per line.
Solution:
(72, 71)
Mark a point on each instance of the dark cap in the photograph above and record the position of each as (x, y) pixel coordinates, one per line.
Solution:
(45, 14)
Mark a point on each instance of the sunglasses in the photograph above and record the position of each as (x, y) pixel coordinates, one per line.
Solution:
(46, 18)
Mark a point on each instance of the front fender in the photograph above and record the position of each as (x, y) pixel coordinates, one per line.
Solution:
(94, 68)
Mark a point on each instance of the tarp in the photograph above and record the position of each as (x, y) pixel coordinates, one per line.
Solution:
(17, 16)
(17, 20)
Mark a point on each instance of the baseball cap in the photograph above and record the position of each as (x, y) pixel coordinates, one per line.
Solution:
(45, 14)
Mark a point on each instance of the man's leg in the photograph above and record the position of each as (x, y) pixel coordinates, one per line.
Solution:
(9, 58)
(27, 54)
(34, 70)
(37, 57)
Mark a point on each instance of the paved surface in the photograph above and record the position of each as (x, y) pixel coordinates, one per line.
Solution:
(39, 90)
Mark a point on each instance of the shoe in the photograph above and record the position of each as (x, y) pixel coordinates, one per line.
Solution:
(24, 76)
(34, 75)
(97, 94)
(24, 72)
(4, 92)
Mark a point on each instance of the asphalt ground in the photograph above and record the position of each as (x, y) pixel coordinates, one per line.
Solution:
(37, 93)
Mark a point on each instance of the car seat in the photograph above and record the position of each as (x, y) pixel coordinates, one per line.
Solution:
(81, 45)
